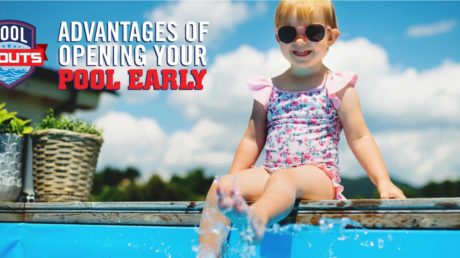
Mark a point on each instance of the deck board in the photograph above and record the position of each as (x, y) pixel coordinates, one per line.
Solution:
(419, 213)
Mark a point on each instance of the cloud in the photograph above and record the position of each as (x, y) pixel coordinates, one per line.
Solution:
(219, 18)
(428, 30)
(202, 145)
(142, 143)
(414, 156)
(138, 142)
(402, 97)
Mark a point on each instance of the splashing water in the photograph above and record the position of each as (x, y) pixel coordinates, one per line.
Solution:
(336, 230)
(241, 242)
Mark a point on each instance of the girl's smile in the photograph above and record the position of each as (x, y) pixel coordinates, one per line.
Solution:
(301, 53)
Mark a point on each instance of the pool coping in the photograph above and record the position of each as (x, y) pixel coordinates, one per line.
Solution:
(416, 213)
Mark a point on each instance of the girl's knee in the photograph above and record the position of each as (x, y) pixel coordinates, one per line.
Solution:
(228, 183)
(231, 182)
(222, 181)
(249, 184)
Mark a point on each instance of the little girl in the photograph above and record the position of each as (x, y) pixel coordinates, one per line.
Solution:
(298, 116)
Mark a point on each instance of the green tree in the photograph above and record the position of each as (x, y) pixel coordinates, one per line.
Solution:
(107, 184)
(193, 186)
(157, 190)
(446, 188)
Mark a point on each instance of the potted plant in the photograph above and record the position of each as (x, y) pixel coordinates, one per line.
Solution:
(65, 153)
(12, 130)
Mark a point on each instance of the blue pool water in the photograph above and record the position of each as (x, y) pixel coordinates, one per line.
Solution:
(20, 240)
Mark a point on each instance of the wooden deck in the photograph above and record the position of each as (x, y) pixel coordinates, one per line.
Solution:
(429, 213)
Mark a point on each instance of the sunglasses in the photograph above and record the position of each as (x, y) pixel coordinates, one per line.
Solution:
(313, 32)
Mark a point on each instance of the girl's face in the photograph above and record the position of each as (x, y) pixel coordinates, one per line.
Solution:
(303, 52)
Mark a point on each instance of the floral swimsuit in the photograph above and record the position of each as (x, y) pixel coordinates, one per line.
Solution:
(303, 127)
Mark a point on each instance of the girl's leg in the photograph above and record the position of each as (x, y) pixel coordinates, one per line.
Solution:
(279, 195)
(250, 184)
(285, 186)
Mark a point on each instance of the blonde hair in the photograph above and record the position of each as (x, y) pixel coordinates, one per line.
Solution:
(304, 10)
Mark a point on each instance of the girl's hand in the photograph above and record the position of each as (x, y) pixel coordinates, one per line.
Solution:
(388, 190)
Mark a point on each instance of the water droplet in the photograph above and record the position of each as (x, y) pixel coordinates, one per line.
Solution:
(297, 227)
(342, 238)
(276, 228)
(380, 243)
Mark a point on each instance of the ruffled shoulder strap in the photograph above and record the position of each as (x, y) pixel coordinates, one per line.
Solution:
(336, 82)
(261, 89)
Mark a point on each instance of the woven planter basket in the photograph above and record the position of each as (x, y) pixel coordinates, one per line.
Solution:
(64, 163)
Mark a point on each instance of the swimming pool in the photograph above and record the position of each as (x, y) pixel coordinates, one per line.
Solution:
(409, 228)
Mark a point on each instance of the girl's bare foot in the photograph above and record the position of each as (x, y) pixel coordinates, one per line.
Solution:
(233, 205)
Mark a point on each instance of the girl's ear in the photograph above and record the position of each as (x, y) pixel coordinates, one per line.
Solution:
(333, 36)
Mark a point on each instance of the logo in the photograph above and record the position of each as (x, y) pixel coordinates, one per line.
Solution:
(19, 53)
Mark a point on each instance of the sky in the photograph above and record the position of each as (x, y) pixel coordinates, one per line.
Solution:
(405, 54)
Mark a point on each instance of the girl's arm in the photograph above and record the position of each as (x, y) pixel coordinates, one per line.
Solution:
(363, 145)
(252, 141)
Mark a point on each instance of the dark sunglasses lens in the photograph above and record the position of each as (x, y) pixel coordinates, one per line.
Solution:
(287, 34)
(315, 32)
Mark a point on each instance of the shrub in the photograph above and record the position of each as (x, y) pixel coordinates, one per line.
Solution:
(50, 121)
(9, 123)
